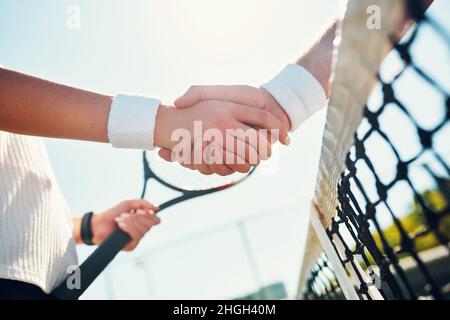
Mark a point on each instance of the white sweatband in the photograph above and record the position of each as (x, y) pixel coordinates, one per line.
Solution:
(298, 92)
(131, 122)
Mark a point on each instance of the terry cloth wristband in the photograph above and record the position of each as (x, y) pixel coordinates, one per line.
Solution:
(131, 122)
(298, 92)
(86, 229)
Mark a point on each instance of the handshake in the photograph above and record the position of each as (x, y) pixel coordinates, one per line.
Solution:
(218, 129)
(212, 129)
(221, 129)
(227, 129)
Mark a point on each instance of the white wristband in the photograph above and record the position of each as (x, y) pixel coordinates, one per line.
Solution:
(131, 122)
(298, 92)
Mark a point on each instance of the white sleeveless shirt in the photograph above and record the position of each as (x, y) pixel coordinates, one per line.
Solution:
(36, 240)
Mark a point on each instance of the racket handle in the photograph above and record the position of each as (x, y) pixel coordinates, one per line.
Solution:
(94, 265)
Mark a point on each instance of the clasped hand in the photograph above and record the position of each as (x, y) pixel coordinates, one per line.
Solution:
(248, 121)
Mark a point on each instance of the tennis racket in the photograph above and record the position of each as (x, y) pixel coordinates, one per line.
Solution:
(188, 183)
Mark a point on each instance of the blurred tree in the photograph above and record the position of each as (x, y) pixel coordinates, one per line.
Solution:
(415, 222)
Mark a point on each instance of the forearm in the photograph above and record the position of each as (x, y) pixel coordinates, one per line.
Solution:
(33, 106)
(317, 60)
(76, 222)
(302, 89)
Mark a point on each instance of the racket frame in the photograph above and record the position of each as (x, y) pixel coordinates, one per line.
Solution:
(91, 268)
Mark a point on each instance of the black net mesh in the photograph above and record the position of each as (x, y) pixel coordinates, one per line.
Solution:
(322, 283)
(394, 214)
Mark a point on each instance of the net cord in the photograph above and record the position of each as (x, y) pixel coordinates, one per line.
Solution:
(346, 286)
(358, 53)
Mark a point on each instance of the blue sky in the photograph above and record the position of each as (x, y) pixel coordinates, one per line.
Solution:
(160, 48)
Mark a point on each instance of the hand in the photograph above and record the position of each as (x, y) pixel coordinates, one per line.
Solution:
(240, 94)
(135, 224)
(256, 98)
(219, 115)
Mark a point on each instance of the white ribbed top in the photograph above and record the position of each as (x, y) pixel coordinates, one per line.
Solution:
(36, 241)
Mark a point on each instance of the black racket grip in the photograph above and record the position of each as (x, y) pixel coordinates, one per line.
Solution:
(94, 265)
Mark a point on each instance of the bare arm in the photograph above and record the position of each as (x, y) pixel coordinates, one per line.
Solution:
(33, 106)
(317, 60)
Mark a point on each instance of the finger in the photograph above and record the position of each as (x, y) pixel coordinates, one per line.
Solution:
(272, 105)
(256, 138)
(145, 212)
(230, 159)
(188, 166)
(136, 224)
(221, 169)
(281, 135)
(149, 214)
(139, 204)
(214, 156)
(132, 233)
(228, 163)
(203, 168)
(238, 94)
(197, 159)
(146, 220)
(245, 151)
(165, 154)
(131, 246)
(217, 164)
(254, 117)
(259, 118)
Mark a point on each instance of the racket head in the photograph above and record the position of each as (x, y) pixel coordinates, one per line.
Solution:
(179, 178)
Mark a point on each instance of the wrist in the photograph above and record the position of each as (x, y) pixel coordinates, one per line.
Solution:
(86, 233)
(131, 122)
(276, 109)
(164, 126)
(95, 223)
(77, 230)
(298, 92)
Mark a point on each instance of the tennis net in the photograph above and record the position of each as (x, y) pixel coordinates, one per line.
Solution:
(380, 218)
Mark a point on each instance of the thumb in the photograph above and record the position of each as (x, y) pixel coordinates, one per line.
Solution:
(239, 94)
(190, 97)
(211, 92)
(165, 154)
